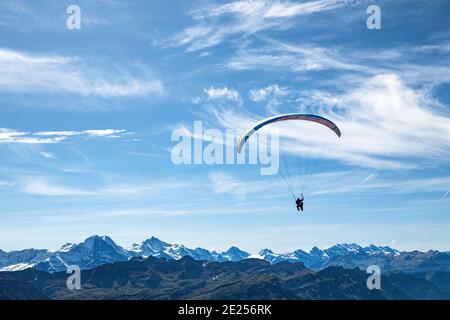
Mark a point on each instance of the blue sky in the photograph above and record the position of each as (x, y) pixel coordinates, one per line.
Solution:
(86, 118)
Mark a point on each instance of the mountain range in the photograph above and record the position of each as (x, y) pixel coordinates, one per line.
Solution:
(169, 279)
(96, 251)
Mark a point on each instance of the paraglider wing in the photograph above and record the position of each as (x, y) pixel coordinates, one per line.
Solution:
(284, 117)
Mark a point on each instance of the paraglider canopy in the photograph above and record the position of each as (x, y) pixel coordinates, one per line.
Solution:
(285, 178)
(285, 117)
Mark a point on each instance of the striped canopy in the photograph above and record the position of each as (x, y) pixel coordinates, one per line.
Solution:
(285, 117)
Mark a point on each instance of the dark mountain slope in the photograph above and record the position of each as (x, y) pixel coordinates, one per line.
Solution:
(159, 278)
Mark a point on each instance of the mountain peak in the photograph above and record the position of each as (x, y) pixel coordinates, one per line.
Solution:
(315, 250)
(97, 250)
(106, 238)
(155, 242)
(149, 247)
(134, 247)
(300, 251)
(381, 249)
(265, 251)
(67, 247)
(93, 238)
(235, 254)
(344, 247)
(234, 249)
(96, 240)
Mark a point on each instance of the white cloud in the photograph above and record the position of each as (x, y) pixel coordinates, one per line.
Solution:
(225, 183)
(384, 123)
(104, 132)
(90, 132)
(244, 17)
(197, 100)
(4, 183)
(43, 187)
(352, 65)
(290, 9)
(6, 134)
(52, 187)
(370, 177)
(48, 155)
(262, 94)
(349, 183)
(57, 133)
(277, 55)
(204, 54)
(43, 137)
(24, 72)
(223, 94)
(13, 136)
(271, 9)
(228, 184)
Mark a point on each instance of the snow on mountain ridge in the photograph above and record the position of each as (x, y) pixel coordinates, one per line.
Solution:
(97, 250)
(17, 267)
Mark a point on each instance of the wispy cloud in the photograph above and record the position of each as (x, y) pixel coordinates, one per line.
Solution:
(48, 155)
(43, 187)
(225, 183)
(58, 133)
(223, 94)
(219, 95)
(104, 132)
(218, 23)
(349, 182)
(385, 125)
(273, 95)
(56, 187)
(90, 132)
(5, 183)
(278, 55)
(56, 74)
(350, 64)
(13, 136)
(370, 177)
(45, 137)
(20, 14)
(265, 93)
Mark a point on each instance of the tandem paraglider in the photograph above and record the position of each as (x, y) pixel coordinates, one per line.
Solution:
(299, 201)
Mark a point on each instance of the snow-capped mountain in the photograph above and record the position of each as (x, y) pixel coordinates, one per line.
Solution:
(269, 255)
(317, 258)
(234, 254)
(157, 248)
(345, 248)
(149, 247)
(96, 250)
(19, 260)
